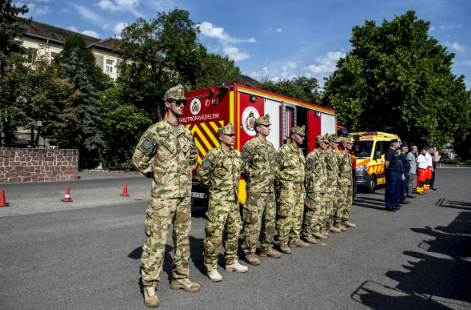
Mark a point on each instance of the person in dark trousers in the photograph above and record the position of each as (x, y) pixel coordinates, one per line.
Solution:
(394, 175)
(406, 167)
(433, 152)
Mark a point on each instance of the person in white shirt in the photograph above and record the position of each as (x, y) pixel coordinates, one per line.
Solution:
(428, 178)
(421, 172)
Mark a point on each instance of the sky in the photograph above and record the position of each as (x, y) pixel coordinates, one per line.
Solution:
(271, 39)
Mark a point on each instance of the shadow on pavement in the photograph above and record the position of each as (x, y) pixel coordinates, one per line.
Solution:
(432, 281)
(453, 204)
(167, 267)
(370, 203)
(196, 254)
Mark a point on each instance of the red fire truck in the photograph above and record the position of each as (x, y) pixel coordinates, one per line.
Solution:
(209, 109)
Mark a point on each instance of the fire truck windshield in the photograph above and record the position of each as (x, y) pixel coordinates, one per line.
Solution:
(363, 149)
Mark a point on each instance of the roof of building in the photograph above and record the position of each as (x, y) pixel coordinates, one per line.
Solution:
(37, 29)
(247, 80)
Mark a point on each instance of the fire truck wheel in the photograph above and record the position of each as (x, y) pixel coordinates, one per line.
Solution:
(372, 184)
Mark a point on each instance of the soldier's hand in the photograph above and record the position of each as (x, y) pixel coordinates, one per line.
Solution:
(403, 178)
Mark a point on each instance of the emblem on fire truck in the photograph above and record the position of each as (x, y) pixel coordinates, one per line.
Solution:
(248, 118)
(195, 106)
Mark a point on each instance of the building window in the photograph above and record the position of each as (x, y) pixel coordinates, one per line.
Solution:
(109, 66)
(32, 55)
(53, 55)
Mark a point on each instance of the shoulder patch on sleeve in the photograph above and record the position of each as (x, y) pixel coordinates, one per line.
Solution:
(206, 164)
(245, 154)
(309, 165)
(279, 158)
(147, 145)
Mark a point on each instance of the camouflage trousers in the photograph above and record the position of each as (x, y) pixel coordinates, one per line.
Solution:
(221, 215)
(339, 204)
(315, 214)
(331, 205)
(347, 203)
(161, 213)
(290, 213)
(259, 215)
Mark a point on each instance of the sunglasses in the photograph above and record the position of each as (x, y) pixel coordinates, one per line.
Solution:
(179, 102)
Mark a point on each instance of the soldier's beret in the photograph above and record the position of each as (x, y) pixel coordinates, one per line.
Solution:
(176, 92)
(299, 130)
(263, 120)
(226, 130)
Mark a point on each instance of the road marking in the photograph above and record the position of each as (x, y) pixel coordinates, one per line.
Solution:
(323, 243)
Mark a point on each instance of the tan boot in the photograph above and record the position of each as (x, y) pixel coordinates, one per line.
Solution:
(252, 259)
(185, 284)
(325, 232)
(150, 297)
(348, 224)
(319, 236)
(214, 275)
(285, 249)
(310, 239)
(343, 228)
(299, 244)
(271, 253)
(237, 268)
(335, 230)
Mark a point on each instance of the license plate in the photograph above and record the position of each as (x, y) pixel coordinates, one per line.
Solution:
(198, 195)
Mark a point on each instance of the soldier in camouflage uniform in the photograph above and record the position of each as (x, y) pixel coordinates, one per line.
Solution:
(167, 153)
(330, 159)
(345, 182)
(220, 170)
(259, 212)
(315, 181)
(289, 173)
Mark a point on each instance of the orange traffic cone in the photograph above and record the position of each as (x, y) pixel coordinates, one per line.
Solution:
(125, 191)
(67, 196)
(3, 203)
(457, 165)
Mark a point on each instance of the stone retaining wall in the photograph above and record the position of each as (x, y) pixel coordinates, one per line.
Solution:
(19, 165)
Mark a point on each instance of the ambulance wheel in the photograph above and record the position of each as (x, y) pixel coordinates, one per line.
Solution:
(372, 184)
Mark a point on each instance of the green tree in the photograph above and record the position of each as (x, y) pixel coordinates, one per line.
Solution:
(76, 44)
(301, 88)
(157, 54)
(39, 91)
(12, 29)
(398, 79)
(89, 136)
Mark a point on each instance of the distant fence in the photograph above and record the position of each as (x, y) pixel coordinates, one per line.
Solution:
(19, 165)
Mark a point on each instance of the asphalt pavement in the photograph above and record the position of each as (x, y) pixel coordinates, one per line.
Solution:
(86, 254)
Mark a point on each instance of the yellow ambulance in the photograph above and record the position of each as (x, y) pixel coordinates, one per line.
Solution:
(369, 150)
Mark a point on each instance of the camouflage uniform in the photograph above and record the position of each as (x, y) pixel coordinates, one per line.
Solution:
(220, 170)
(330, 158)
(345, 183)
(260, 209)
(169, 160)
(289, 173)
(316, 187)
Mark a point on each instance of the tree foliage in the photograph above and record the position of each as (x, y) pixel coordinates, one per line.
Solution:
(398, 79)
(36, 92)
(302, 88)
(12, 29)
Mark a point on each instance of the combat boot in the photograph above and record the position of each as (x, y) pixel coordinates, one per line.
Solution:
(299, 244)
(237, 268)
(338, 226)
(150, 297)
(271, 253)
(185, 284)
(343, 227)
(319, 236)
(252, 259)
(335, 230)
(285, 249)
(310, 239)
(214, 275)
(325, 232)
(348, 224)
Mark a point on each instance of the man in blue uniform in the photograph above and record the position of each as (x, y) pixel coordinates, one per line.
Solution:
(394, 175)
(406, 167)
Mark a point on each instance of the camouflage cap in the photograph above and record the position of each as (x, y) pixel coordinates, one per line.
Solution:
(176, 92)
(226, 130)
(346, 140)
(320, 138)
(263, 120)
(325, 138)
(299, 130)
(332, 138)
